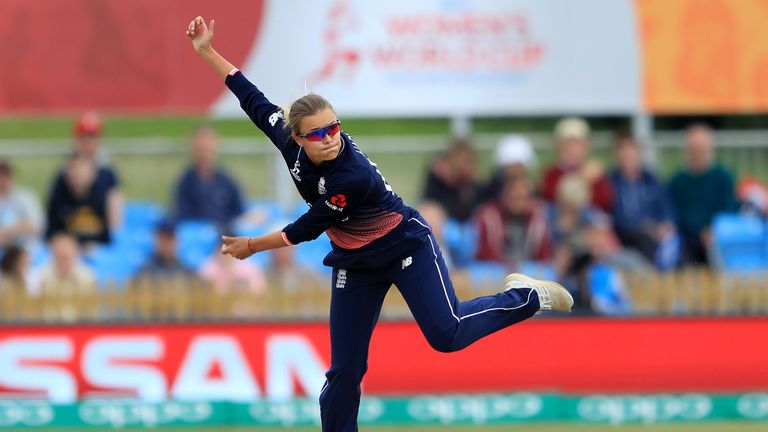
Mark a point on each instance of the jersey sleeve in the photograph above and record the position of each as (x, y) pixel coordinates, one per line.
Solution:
(330, 209)
(264, 114)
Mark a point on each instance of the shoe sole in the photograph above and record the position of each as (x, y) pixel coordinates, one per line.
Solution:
(554, 286)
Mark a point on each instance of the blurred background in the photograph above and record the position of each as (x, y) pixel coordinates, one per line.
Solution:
(617, 146)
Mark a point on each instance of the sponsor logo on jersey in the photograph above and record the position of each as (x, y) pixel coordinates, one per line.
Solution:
(336, 202)
(339, 200)
(407, 262)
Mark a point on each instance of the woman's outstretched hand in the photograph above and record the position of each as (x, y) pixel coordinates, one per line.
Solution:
(236, 246)
(200, 33)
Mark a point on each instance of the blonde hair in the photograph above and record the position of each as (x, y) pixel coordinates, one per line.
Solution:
(574, 191)
(302, 107)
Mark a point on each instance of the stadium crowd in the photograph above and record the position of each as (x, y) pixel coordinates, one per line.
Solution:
(579, 222)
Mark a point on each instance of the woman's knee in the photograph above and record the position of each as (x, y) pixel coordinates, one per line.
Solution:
(444, 341)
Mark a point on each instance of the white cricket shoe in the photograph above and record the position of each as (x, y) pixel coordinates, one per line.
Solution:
(552, 295)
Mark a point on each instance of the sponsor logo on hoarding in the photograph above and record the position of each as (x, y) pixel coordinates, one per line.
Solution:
(25, 413)
(213, 367)
(121, 413)
(753, 405)
(475, 409)
(646, 409)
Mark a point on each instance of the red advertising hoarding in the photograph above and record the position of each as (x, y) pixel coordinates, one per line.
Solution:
(251, 361)
(71, 55)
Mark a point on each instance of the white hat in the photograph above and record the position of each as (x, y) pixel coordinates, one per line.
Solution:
(572, 127)
(515, 149)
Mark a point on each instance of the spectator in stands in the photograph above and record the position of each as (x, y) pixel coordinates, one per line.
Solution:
(298, 288)
(65, 278)
(698, 192)
(287, 274)
(164, 263)
(228, 274)
(21, 216)
(573, 139)
(451, 181)
(14, 269)
(513, 228)
(604, 247)
(87, 143)
(642, 216)
(79, 204)
(571, 214)
(514, 158)
(205, 191)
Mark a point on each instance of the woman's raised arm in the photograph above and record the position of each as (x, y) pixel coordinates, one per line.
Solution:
(201, 35)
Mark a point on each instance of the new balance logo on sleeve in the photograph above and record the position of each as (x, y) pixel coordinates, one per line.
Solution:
(274, 117)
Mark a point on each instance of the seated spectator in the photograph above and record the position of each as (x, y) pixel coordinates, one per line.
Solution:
(698, 192)
(79, 205)
(571, 214)
(451, 181)
(228, 274)
(21, 217)
(205, 191)
(513, 228)
(641, 213)
(164, 263)
(287, 274)
(15, 269)
(603, 247)
(66, 278)
(572, 136)
(752, 195)
(514, 158)
(87, 143)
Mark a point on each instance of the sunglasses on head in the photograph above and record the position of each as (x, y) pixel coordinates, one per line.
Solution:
(320, 133)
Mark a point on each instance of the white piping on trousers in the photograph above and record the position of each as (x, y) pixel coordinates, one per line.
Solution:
(445, 290)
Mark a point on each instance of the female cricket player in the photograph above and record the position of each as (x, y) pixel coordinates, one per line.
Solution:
(376, 241)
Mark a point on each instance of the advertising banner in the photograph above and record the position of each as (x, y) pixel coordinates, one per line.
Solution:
(704, 55)
(437, 57)
(247, 362)
(394, 58)
(485, 409)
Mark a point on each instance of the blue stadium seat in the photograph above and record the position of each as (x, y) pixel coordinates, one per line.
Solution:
(485, 274)
(142, 214)
(196, 241)
(311, 254)
(461, 241)
(113, 264)
(740, 242)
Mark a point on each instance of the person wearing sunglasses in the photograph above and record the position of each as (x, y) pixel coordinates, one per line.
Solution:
(376, 241)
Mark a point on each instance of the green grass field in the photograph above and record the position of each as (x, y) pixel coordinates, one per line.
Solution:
(537, 427)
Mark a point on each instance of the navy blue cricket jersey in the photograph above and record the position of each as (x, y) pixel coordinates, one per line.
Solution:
(349, 199)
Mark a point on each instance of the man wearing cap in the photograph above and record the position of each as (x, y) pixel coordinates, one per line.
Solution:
(514, 158)
(572, 136)
(87, 143)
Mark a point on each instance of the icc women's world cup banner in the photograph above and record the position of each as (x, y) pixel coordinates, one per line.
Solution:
(393, 58)
(277, 362)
